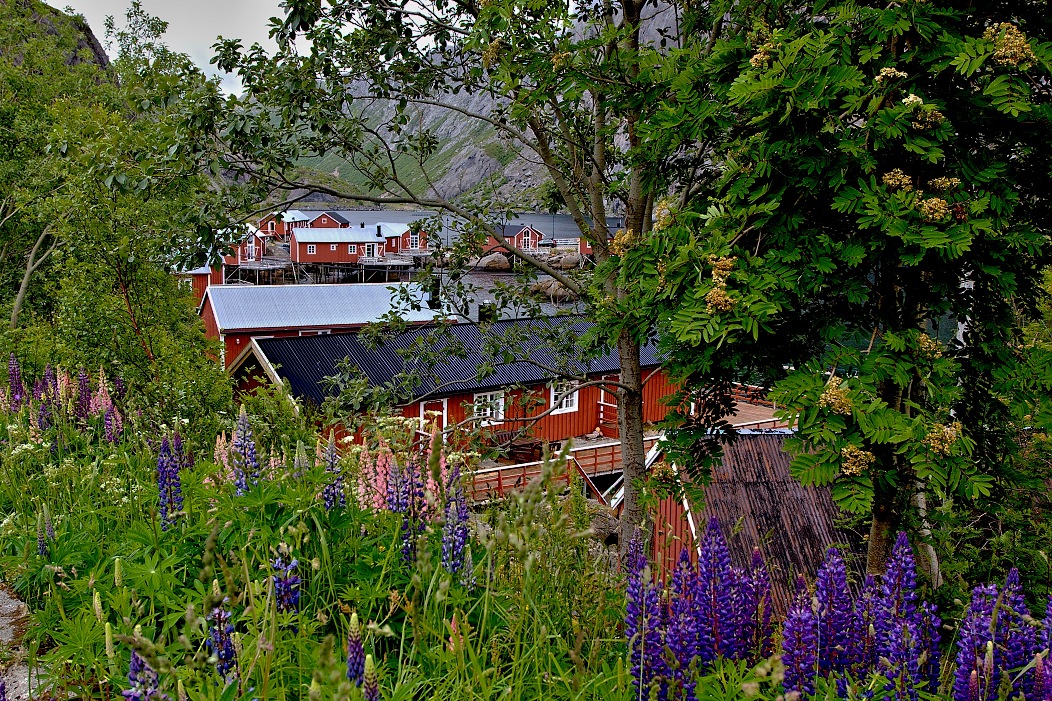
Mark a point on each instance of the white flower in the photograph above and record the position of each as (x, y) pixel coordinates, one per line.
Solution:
(912, 101)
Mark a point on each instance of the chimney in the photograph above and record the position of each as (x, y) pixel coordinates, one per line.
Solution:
(487, 312)
(363, 225)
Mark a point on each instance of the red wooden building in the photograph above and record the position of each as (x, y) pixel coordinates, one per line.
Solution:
(235, 314)
(519, 397)
(525, 237)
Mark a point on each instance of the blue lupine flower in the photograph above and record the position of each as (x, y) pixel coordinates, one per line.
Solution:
(221, 644)
(799, 642)
(715, 611)
(355, 652)
(143, 681)
(169, 484)
(246, 465)
(929, 645)
(759, 606)
(332, 493)
(643, 624)
(1016, 639)
(682, 635)
(42, 544)
(975, 679)
(900, 666)
(370, 681)
(286, 584)
(835, 613)
(455, 528)
(14, 381)
(119, 388)
(897, 596)
(406, 496)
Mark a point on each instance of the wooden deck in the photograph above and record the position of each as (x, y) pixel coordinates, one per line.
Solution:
(595, 459)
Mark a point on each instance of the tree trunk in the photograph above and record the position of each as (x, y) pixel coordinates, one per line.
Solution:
(31, 267)
(882, 529)
(630, 427)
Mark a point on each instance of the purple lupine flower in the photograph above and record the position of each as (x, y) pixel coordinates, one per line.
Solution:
(83, 404)
(642, 624)
(14, 381)
(974, 679)
(182, 457)
(143, 681)
(169, 485)
(835, 613)
(44, 416)
(929, 662)
(900, 666)
(758, 607)
(49, 526)
(409, 501)
(3, 690)
(897, 596)
(681, 635)
(51, 383)
(119, 388)
(715, 611)
(394, 489)
(38, 390)
(221, 644)
(1042, 679)
(111, 423)
(286, 584)
(799, 640)
(332, 493)
(42, 544)
(864, 627)
(455, 528)
(355, 652)
(370, 681)
(1016, 639)
(246, 465)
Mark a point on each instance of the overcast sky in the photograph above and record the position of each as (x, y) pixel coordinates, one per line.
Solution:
(193, 25)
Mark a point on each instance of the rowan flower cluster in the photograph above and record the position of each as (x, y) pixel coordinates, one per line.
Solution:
(664, 214)
(943, 184)
(491, 53)
(942, 438)
(912, 101)
(929, 348)
(854, 460)
(834, 397)
(928, 117)
(1011, 47)
(717, 299)
(934, 209)
(888, 74)
(898, 180)
(624, 239)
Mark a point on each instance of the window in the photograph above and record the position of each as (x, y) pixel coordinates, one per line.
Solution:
(489, 407)
(414, 240)
(370, 250)
(527, 238)
(270, 225)
(332, 247)
(250, 252)
(311, 249)
(564, 397)
(351, 248)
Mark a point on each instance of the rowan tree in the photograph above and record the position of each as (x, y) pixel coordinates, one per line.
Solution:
(878, 226)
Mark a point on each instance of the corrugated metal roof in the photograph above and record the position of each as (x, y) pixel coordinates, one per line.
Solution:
(390, 230)
(294, 215)
(335, 216)
(759, 504)
(306, 361)
(248, 307)
(333, 235)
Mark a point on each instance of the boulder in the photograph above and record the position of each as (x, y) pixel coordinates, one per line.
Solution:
(553, 290)
(494, 261)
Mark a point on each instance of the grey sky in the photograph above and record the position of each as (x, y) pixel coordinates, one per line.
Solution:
(193, 25)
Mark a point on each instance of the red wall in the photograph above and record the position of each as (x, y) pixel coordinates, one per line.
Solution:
(326, 222)
(325, 254)
(516, 240)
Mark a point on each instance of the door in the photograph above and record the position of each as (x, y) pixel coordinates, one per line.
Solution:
(431, 410)
(370, 250)
(527, 239)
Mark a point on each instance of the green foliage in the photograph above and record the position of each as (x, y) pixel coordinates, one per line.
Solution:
(881, 173)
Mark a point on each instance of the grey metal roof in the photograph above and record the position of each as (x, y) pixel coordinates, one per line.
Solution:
(306, 361)
(391, 230)
(252, 307)
(334, 235)
(335, 216)
(294, 215)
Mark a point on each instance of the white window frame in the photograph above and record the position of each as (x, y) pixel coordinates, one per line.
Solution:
(488, 407)
(332, 246)
(570, 402)
(352, 248)
(311, 249)
(368, 246)
(527, 239)
(414, 240)
(270, 225)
